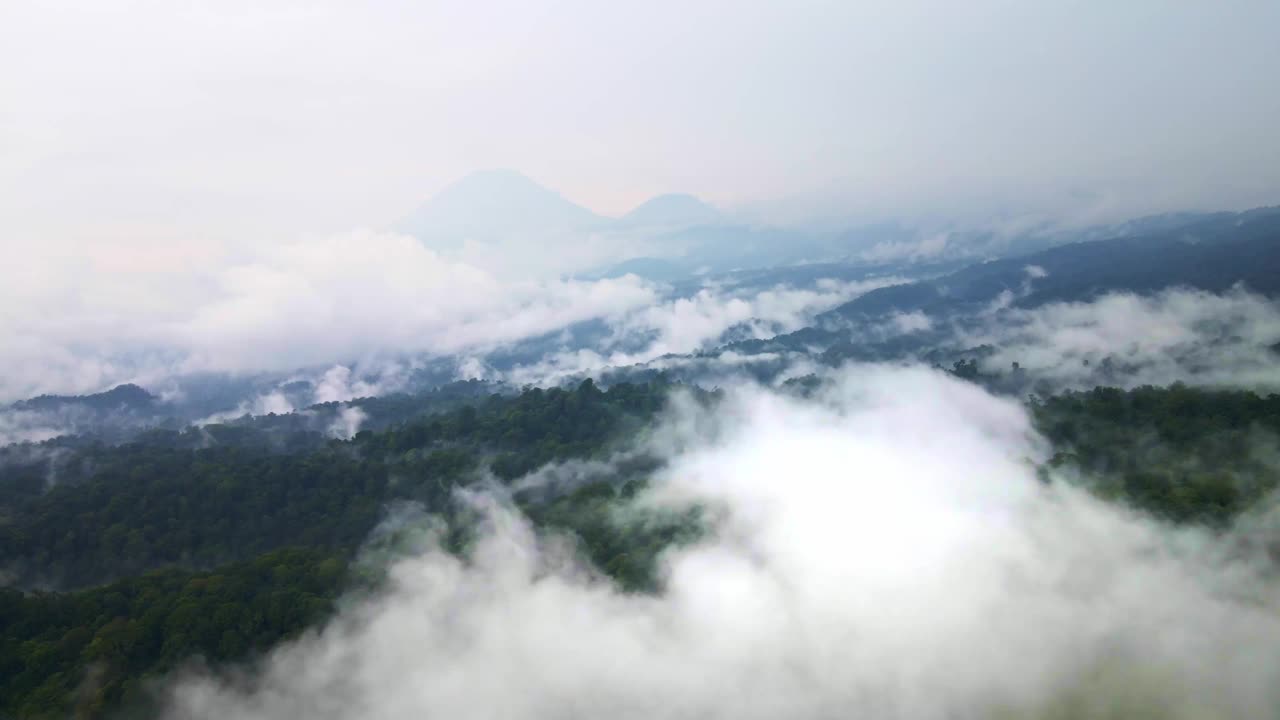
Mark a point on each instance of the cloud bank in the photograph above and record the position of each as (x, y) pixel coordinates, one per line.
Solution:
(883, 551)
(357, 296)
(1230, 340)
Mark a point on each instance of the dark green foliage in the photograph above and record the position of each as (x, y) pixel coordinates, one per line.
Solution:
(965, 369)
(621, 541)
(86, 652)
(121, 511)
(144, 505)
(1182, 453)
(122, 396)
(280, 522)
(380, 412)
(93, 651)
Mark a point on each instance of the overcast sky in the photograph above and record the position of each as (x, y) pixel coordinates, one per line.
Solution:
(208, 185)
(227, 119)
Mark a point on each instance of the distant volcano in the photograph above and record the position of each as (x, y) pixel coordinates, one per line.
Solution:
(496, 205)
(672, 210)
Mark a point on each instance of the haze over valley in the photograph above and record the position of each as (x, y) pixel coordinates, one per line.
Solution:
(726, 360)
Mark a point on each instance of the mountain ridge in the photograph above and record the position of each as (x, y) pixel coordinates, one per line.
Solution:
(494, 205)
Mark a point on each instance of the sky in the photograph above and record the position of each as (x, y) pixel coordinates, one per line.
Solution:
(212, 185)
(203, 122)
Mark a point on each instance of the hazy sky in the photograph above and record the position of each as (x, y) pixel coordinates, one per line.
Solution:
(212, 120)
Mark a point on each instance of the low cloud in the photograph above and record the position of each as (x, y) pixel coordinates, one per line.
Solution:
(1123, 339)
(29, 426)
(370, 297)
(268, 403)
(931, 246)
(884, 551)
(699, 322)
(359, 295)
(338, 384)
(348, 422)
(912, 322)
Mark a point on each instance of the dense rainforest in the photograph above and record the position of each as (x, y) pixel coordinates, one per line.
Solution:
(114, 511)
(127, 562)
(172, 547)
(1183, 454)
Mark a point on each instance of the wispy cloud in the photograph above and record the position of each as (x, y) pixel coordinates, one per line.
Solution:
(708, 318)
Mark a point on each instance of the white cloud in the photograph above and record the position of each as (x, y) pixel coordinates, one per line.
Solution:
(886, 551)
(268, 403)
(1177, 335)
(358, 296)
(337, 385)
(928, 247)
(364, 294)
(690, 324)
(26, 426)
(348, 422)
(911, 322)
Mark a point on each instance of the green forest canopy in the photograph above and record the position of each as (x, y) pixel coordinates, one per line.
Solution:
(168, 551)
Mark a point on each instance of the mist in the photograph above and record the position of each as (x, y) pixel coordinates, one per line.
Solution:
(304, 304)
(903, 359)
(694, 323)
(219, 188)
(1127, 340)
(157, 120)
(884, 549)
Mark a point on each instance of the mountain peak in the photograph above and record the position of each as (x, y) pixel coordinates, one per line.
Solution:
(495, 179)
(494, 205)
(673, 209)
(120, 396)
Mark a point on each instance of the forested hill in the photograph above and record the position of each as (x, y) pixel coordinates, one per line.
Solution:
(1181, 453)
(221, 552)
(1213, 254)
(114, 511)
(128, 396)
